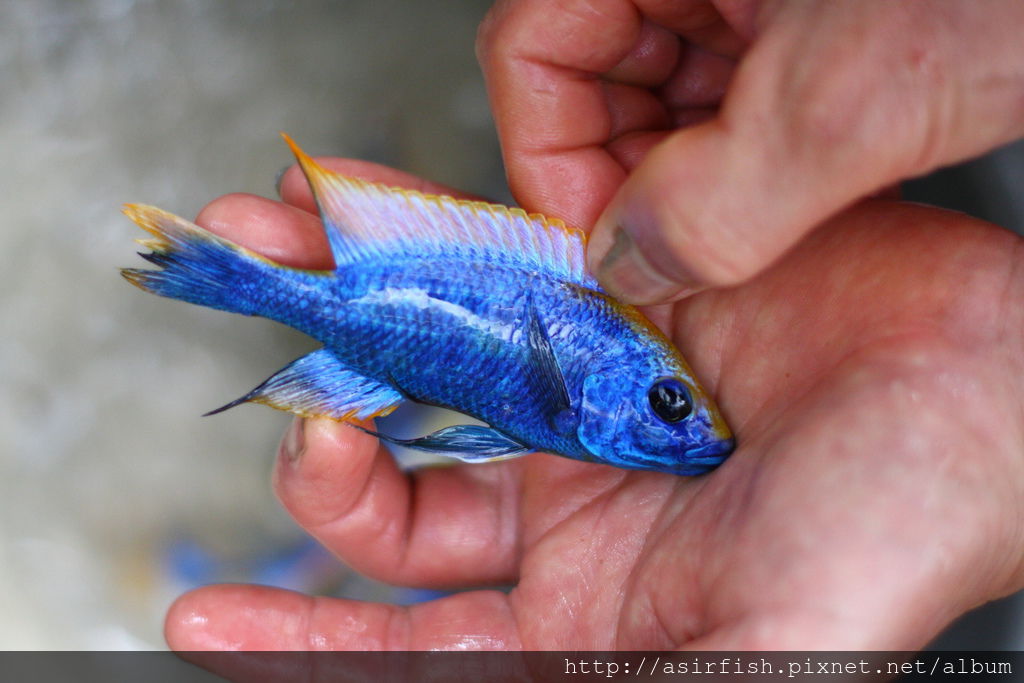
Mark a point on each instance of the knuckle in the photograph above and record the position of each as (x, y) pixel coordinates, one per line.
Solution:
(827, 112)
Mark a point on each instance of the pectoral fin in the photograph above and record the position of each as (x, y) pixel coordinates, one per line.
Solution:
(469, 443)
(548, 374)
(318, 384)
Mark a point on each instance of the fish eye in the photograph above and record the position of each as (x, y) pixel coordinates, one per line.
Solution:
(670, 400)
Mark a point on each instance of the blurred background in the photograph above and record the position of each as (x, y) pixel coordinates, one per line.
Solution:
(114, 495)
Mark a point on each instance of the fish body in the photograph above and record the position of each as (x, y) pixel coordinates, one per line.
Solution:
(470, 306)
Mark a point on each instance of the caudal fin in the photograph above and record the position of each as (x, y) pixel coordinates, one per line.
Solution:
(196, 265)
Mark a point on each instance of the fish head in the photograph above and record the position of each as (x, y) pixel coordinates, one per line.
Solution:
(659, 419)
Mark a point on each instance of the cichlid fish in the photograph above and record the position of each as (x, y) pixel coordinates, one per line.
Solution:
(471, 306)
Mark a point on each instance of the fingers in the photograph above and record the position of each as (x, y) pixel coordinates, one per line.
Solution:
(233, 617)
(456, 526)
(573, 91)
(650, 60)
(444, 527)
(280, 232)
(699, 80)
(722, 28)
(642, 118)
(832, 103)
(550, 112)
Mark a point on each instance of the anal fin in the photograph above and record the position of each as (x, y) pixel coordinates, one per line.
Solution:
(319, 385)
(469, 443)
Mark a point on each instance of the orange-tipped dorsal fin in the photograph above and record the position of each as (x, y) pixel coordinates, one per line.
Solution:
(370, 221)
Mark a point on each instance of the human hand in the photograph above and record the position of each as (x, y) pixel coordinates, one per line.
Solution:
(718, 133)
(873, 379)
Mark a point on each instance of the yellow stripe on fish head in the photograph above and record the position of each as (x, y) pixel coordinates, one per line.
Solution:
(643, 326)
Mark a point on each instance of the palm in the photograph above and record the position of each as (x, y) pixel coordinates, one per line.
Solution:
(868, 381)
(865, 377)
(875, 492)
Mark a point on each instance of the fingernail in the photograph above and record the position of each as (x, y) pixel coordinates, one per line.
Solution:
(294, 441)
(628, 276)
(279, 178)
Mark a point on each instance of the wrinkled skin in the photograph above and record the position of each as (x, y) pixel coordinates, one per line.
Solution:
(872, 372)
(717, 133)
(873, 379)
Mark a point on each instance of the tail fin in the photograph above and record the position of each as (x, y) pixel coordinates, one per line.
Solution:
(197, 266)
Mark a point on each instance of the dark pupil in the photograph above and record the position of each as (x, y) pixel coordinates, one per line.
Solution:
(670, 400)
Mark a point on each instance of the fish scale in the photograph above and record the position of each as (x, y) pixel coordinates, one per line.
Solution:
(475, 307)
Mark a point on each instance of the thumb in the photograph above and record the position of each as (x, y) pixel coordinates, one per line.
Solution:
(701, 210)
(831, 103)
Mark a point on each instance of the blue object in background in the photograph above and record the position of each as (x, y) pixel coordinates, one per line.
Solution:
(302, 565)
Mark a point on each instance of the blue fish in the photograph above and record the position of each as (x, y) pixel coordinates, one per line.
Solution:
(476, 307)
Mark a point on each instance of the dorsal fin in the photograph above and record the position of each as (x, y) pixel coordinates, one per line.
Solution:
(366, 221)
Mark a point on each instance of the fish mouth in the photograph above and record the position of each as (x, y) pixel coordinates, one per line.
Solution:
(710, 455)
